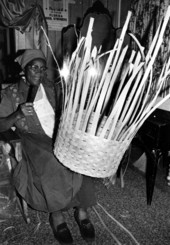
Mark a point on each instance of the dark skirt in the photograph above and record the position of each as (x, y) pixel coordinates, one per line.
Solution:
(45, 183)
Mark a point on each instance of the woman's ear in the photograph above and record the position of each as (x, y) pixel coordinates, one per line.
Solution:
(24, 71)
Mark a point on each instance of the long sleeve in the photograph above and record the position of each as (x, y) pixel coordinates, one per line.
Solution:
(8, 116)
(6, 107)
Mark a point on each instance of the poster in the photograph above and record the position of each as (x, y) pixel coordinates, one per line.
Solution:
(56, 13)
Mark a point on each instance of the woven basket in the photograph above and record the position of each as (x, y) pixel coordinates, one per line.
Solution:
(88, 154)
(88, 142)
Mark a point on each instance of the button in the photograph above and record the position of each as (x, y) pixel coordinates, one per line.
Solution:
(26, 127)
(22, 123)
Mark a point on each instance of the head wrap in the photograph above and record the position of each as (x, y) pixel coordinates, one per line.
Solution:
(29, 55)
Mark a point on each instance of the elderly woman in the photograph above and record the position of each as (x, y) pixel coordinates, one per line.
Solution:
(39, 177)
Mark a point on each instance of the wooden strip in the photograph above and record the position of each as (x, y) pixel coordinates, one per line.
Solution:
(107, 89)
(106, 69)
(84, 58)
(125, 92)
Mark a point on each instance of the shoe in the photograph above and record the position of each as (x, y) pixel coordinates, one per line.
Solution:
(62, 233)
(86, 228)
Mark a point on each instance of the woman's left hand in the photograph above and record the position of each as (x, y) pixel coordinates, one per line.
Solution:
(27, 109)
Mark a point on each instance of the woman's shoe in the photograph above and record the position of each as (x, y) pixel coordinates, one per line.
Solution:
(62, 233)
(86, 228)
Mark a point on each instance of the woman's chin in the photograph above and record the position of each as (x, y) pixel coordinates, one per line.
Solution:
(36, 81)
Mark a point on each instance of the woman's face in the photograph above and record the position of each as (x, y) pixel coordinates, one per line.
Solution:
(35, 71)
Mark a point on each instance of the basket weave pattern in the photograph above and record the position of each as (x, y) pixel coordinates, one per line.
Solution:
(88, 154)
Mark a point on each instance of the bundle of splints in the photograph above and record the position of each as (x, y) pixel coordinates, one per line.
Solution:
(92, 139)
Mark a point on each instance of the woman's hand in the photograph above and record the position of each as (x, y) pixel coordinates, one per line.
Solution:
(26, 109)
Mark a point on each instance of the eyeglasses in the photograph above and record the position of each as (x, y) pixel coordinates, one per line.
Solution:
(36, 68)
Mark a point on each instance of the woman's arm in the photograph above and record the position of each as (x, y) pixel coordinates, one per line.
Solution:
(7, 122)
(25, 109)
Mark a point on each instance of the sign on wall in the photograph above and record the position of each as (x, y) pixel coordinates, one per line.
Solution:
(56, 13)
